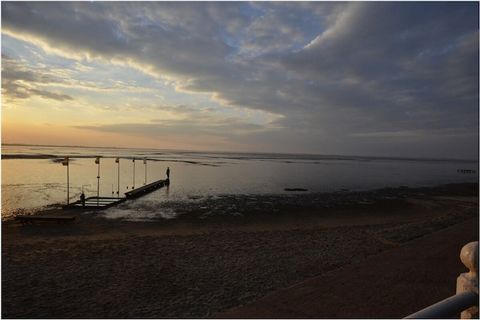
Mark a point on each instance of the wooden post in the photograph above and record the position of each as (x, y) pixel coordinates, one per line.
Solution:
(117, 160)
(65, 162)
(133, 185)
(97, 161)
(68, 183)
(145, 163)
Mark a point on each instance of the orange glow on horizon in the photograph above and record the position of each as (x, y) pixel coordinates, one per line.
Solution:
(49, 134)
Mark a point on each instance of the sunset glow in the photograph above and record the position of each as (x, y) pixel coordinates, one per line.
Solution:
(334, 78)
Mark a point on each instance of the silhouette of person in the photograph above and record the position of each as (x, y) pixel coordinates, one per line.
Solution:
(168, 173)
(82, 199)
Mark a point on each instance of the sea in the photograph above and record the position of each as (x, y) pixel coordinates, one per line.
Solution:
(33, 178)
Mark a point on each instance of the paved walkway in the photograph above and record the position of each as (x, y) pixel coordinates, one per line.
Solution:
(392, 284)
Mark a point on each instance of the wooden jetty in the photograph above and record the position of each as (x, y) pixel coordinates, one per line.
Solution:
(95, 203)
(147, 189)
(98, 203)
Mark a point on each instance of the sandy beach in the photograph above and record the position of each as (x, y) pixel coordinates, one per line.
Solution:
(196, 268)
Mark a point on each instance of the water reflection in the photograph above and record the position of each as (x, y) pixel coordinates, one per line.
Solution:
(167, 191)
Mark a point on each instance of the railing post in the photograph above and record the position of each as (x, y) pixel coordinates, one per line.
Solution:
(468, 281)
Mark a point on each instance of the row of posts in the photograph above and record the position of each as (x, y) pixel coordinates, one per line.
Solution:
(66, 163)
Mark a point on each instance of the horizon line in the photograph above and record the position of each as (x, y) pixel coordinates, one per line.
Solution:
(244, 152)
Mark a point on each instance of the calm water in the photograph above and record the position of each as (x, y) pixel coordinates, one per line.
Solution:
(29, 184)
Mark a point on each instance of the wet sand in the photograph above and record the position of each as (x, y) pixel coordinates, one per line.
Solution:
(190, 267)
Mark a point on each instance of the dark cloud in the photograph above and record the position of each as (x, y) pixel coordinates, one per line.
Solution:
(20, 82)
(50, 95)
(224, 128)
(343, 76)
(397, 64)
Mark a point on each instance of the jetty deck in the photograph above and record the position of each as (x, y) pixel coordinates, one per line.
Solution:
(147, 189)
(96, 203)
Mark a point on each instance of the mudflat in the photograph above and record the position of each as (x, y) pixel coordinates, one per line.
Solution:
(195, 268)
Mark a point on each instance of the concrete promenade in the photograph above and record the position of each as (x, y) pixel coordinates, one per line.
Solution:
(392, 284)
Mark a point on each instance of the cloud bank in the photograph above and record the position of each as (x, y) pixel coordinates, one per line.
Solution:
(383, 78)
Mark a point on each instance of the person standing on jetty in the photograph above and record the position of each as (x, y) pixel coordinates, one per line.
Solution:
(168, 173)
(82, 199)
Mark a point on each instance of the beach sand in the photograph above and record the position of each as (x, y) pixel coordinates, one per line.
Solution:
(187, 267)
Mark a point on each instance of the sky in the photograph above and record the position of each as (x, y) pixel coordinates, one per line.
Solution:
(352, 78)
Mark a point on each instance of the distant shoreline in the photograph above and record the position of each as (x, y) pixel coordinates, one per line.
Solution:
(72, 157)
(286, 155)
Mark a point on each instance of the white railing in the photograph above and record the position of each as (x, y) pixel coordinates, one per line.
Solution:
(465, 302)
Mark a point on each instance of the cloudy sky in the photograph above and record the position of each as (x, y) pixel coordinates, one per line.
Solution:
(392, 79)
